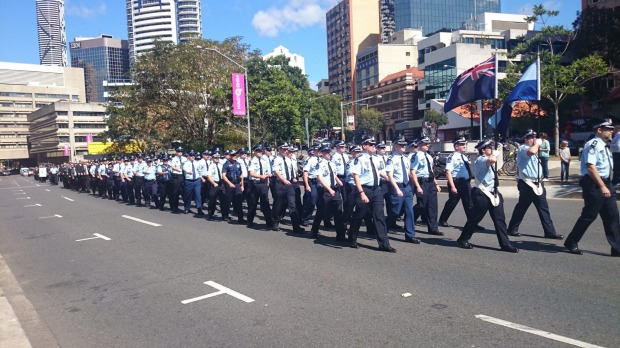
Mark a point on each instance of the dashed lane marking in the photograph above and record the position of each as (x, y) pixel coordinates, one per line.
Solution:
(96, 236)
(67, 198)
(140, 220)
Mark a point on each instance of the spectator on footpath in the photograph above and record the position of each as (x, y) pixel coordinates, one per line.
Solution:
(615, 151)
(543, 155)
(565, 161)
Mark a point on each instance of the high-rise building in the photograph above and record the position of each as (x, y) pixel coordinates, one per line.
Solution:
(434, 15)
(51, 32)
(166, 20)
(103, 59)
(295, 59)
(387, 20)
(352, 26)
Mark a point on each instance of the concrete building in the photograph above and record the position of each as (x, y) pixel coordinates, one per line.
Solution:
(398, 97)
(432, 16)
(103, 59)
(378, 61)
(599, 3)
(52, 33)
(323, 86)
(167, 20)
(352, 26)
(25, 88)
(295, 59)
(59, 131)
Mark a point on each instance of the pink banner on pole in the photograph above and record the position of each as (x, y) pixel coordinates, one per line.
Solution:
(66, 150)
(238, 92)
(89, 138)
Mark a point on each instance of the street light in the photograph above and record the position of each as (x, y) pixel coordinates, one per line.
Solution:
(247, 98)
(342, 104)
(307, 128)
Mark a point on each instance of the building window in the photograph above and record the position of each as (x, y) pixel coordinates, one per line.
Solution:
(408, 54)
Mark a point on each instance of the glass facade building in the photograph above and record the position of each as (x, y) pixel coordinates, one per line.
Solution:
(103, 59)
(434, 15)
(51, 32)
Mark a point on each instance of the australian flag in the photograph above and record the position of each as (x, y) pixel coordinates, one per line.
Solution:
(474, 84)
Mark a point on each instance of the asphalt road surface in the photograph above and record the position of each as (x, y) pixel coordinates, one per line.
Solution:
(140, 285)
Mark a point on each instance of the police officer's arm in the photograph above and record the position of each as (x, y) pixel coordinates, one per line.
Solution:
(280, 176)
(394, 184)
(204, 172)
(449, 167)
(414, 165)
(319, 178)
(491, 159)
(175, 168)
(241, 183)
(593, 173)
(355, 174)
(305, 175)
(224, 176)
(533, 150)
(210, 175)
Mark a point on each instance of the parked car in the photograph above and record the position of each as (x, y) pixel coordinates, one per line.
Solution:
(5, 172)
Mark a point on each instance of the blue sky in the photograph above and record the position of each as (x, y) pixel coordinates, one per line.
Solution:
(299, 25)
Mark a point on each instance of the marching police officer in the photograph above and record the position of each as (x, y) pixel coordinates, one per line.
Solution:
(193, 183)
(150, 186)
(485, 197)
(311, 168)
(116, 169)
(127, 181)
(260, 174)
(94, 174)
(349, 185)
(216, 192)
(284, 190)
(103, 177)
(164, 182)
(138, 181)
(329, 198)
(177, 179)
(531, 188)
(340, 160)
(401, 192)
(232, 175)
(599, 195)
(366, 174)
(426, 185)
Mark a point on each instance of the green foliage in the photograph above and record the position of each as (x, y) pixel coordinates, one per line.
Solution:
(324, 112)
(370, 121)
(437, 117)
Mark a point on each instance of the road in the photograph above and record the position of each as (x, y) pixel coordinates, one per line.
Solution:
(126, 290)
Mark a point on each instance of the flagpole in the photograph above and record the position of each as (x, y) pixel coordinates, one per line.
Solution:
(496, 183)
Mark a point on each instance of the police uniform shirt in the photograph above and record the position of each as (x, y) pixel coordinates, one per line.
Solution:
(312, 167)
(279, 166)
(121, 168)
(215, 171)
(421, 162)
(149, 172)
(202, 162)
(595, 152)
(328, 177)
(349, 179)
(363, 167)
(53, 170)
(109, 171)
(103, 169)
(192, 173)
(233, 171)
(138, 168)
(294, 164)
(245, 162)
(166, 170)
(529, 166)
(340, 161)
(128, 171)
(260, 166)
(177, 162)
(457, 164)
(395, 164)
(484, 173)
(116, 168)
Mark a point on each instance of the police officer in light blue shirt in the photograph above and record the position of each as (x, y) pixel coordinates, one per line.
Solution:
(485, 199)
(329, 198)
(193, 182)
(426, 185)
(401, 192)
(176, 163)
(150, 187)
(216, 192)
(531, 189)
(311, 168)
(348, 201)
(599, 195)
(138, 183)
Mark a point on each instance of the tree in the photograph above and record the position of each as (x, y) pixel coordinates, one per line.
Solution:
(436, 117)
(559, 77)
(324, 112)
(370, 121)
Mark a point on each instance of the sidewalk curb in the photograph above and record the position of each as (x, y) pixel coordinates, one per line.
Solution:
(11, 332)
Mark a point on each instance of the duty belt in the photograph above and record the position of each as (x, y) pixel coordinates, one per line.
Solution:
(427, 179)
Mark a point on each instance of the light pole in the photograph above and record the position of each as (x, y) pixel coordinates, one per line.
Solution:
(247, 98)
(342, 104)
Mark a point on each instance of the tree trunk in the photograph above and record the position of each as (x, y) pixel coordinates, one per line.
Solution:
(556, 129)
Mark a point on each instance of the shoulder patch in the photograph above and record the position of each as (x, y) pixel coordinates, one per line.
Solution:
(356, 160)
(449, 159)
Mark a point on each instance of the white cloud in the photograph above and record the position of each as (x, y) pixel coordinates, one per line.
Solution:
(85, 11)
(295, 14)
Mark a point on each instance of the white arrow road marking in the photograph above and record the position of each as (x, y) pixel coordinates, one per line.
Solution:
(53, 216)
(140, 220)
(32, 205)
(538, 332)
(221, 290)
(96, 236)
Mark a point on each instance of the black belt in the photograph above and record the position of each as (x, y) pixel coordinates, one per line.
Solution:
(176, 175)
(371, 187)
(192, 180)
(149, 180)
(264, 181)
(341, 176)
(462, 179)
(401, 185)
(424, 179)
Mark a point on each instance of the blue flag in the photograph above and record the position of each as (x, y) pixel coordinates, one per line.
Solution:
(473, 84)
(527, 87)
(502, 119)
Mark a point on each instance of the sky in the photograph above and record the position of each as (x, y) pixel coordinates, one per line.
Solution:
(299, 25)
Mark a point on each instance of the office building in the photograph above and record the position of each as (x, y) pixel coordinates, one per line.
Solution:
(433, 15)
(387, 21)
(352, 26)
(295, 59)
(59, 132)
(167, 20)
(103, 59)
(51, 32)
(25, 88)
(323, 86)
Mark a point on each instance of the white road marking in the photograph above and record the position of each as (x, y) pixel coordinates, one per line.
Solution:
(538, 332)
(23, 198)
(19, 193)
(221, 290)
(96, 236)
(140, 220)
(32, 205)
(47, 190)
(53, 216)
(67, 198)
(15, 188)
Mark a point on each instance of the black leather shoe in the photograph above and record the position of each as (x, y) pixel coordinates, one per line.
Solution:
(443, 224)
(209, 218)
(514, 234)
(479, 228)
(555, 236)
(353, 245)
(464, 245)
(200, 212)
(438, 233)
(573, 249)
(615, 253)
(276, 228)
(509, 249)
(242, 221)
(387, 249)
(412, 240)
(250, 225)
(315, 234)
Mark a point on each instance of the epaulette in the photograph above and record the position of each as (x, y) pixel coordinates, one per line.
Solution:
(356, 160)
(389, 160)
